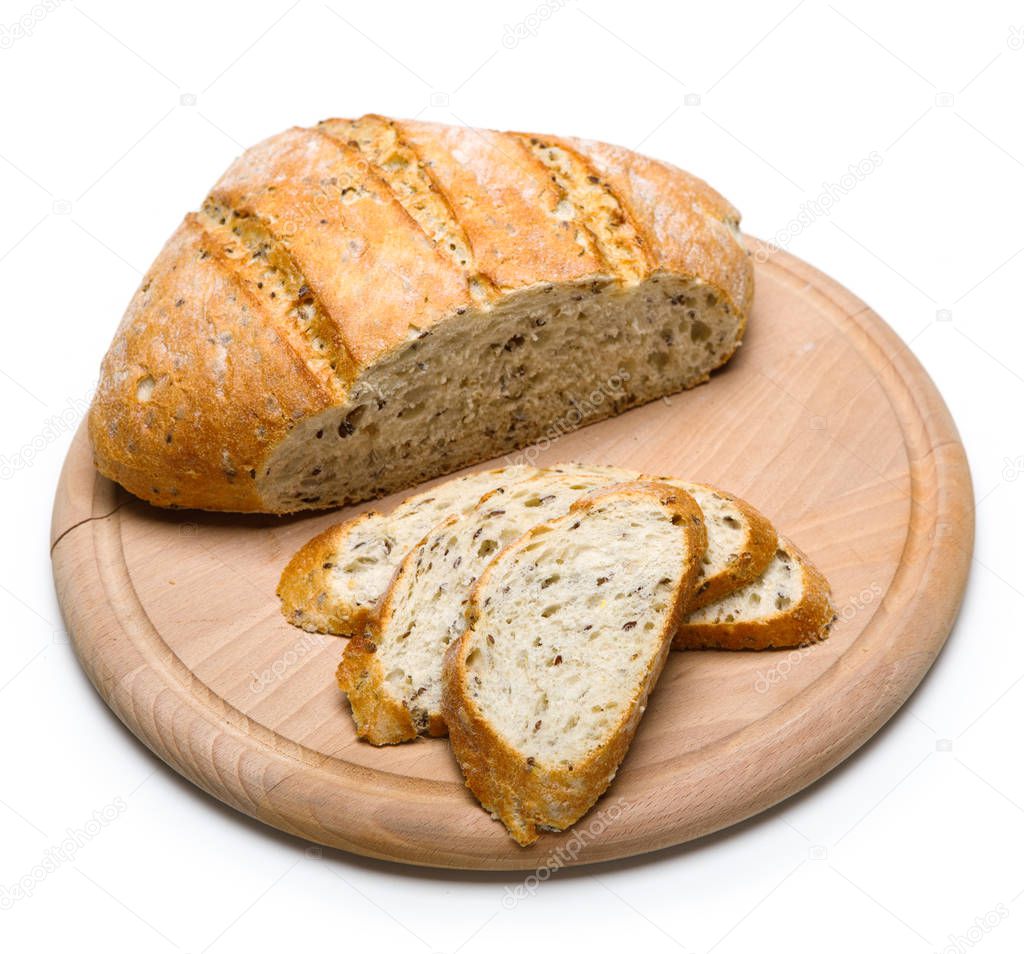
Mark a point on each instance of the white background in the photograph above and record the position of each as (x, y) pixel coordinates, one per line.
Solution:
(116, 117)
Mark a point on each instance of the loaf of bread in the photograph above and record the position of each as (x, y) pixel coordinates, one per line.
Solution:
(569, 628)
(366, 304)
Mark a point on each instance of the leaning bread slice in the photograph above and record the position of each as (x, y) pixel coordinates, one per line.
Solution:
(336, 579)
(788, 606)
(569, 630)
(392, 673)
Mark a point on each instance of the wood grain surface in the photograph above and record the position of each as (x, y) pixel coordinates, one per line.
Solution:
(824, 420)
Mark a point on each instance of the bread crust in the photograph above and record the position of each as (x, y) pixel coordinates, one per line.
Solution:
(208, 373)
(527, 797)
(805, 622)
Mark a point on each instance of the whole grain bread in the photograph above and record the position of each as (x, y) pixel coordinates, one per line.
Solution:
(392, 672)
(367, 304)
(788, 606)
(569, 629)
(334, 582)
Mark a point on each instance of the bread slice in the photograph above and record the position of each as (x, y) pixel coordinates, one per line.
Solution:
(788, 606)
(338, 577)
(569, 630)
(392, 673)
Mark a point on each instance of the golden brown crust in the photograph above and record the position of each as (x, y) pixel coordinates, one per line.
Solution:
(209, 372)
(197, 385)
(305, 586)
(395, 162)
(505, 203)
(529, 796)
(248, 246)
(805, 622)
(615, 234)
(350, 237)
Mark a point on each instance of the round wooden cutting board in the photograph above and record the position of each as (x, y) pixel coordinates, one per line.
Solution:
(824, 421)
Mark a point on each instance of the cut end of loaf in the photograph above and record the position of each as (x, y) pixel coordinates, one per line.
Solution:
(487, 383)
